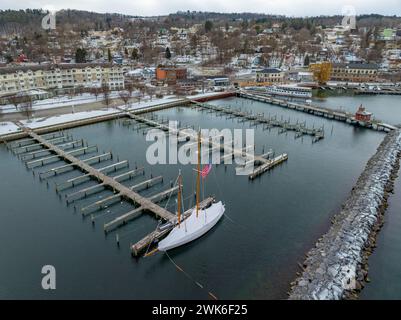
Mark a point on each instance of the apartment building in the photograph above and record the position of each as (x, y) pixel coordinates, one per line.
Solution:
(354, 72)
(62, 76)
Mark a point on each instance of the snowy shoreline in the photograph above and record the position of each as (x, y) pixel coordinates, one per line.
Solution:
(336, 268)
(9, 127)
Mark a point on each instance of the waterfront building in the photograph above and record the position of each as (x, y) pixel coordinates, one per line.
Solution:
(272, 75)
(59, 76)
(218, 81)
(363, 115)
(354, 72)
(170, 75)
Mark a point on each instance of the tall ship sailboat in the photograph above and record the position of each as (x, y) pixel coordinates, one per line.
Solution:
(200, 221)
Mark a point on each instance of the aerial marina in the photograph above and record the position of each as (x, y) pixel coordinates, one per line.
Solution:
(199, 160)
(113, 192)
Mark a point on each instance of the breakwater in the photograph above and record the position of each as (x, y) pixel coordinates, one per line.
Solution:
(337, 268)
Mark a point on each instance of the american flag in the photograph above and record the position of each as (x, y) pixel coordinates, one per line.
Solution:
(205, 171)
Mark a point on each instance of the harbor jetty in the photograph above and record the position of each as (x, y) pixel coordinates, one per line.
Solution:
(336, 268)
(386, 91)
(315, 110)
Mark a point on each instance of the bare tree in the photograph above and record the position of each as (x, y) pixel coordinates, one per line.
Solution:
(151, 92)
(130, 88)
(95, 91)
(26, 106)
(15, 100)
(106, 94)
(125, 96)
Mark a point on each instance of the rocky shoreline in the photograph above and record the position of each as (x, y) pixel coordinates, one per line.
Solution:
(337, 267)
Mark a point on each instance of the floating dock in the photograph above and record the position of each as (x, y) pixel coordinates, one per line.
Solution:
(299, 128)
(106, 181)
(229, 150)
(268, 165)
(142, 204)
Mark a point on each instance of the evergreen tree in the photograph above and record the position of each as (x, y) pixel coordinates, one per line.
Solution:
(208, 26)
(168, 53)
(306, 61)
(80, 55)
(109, 57)
(134, 54)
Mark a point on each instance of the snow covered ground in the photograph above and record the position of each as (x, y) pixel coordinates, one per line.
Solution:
(44, 122)
(57, 102)
(8, 127)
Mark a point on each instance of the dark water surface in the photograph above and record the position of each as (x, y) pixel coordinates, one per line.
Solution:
(252, 253)
(384, 108)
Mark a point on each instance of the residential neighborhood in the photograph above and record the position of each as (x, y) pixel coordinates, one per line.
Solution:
(200, 157)
(191, 52)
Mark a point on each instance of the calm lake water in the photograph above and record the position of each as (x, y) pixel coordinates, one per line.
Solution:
(252, 253)
(384, 108)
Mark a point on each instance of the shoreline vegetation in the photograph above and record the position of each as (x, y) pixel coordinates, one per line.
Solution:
(337, 267)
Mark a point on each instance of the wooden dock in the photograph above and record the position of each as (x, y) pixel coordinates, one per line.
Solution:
(328, 113)
(268, 165)
(225, 147)
(284, 125)
(142, 204)
(388, 91)
(125, 218)
(111, 183)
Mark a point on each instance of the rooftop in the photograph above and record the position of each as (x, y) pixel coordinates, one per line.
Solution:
(6, 70)
(269, 70)
(356, 65)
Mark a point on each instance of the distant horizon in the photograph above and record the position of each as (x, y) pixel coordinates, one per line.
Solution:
(155, 8)
(217, 12)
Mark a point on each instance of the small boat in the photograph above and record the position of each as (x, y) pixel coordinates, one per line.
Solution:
(199, 222)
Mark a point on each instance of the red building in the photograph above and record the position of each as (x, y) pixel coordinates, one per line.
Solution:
(363, 115)
(22, 58)
(170, 75)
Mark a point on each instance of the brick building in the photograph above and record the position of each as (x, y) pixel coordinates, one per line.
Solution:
(170, 75)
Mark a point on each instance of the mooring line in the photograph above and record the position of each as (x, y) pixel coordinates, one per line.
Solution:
(214, 297)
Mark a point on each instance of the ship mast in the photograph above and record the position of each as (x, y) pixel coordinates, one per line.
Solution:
(179, 199)
(198, 175)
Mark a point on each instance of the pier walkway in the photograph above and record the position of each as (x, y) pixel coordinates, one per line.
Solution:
(299, 128)
(316, 110)
(110, 182)
(264, 164)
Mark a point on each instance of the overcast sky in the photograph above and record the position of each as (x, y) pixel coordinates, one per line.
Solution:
(160, 7)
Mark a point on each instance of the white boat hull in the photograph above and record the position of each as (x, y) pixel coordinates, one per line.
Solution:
(193, 227)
